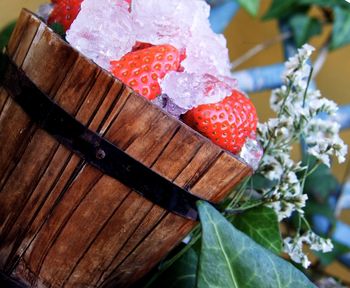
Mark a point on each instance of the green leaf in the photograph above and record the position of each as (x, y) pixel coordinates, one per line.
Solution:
(181, 274)
(304, 27)
(5, 34)
(341, 28)
(321, 183)
(261, 225)
(229, 258)
(252, 6)
(280, 9)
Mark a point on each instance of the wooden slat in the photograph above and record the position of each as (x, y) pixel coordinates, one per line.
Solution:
(46, 71)
(222, 176)
(13, 44)
(20, 28)
(151, 250)
(3, 98)
(15, 125)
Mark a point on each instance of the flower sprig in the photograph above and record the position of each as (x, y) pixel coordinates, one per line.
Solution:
(297, 119)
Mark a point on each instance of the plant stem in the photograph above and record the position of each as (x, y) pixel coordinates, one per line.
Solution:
(239, 194)
(243, 208)
(306, 222)
(259, 48)
(307, 86)
(289, 88)
(313, 169)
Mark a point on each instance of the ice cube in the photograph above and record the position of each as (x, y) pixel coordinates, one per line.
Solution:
(252, 152)
(103, 30)
(188, 90)
(183, 24)
(165, 22)
(207, 53)
(163, 101)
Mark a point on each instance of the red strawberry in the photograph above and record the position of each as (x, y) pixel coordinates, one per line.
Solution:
(142, 69)
(64, 12)
(227, 123)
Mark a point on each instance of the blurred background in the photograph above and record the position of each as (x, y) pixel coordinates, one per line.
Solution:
(244, 33)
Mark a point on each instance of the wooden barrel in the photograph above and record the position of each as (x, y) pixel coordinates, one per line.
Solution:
(62, 221)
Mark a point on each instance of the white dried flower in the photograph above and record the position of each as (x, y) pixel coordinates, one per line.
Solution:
(271, 168)
(297, 110)
(322, 138)
(319, 104)
(294, 246)
(295, 68)
(318, 243)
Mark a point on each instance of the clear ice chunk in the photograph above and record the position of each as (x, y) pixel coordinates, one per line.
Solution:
(185, 25)
(188, 90)
(167, 105)
(103, 30)
(252, 152)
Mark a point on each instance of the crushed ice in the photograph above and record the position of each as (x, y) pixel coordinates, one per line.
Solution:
(188, 90)
(103, 30)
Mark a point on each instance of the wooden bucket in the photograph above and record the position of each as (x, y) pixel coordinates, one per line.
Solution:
(63, 222)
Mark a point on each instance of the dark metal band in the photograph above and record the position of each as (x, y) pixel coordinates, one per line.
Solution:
(94, 149)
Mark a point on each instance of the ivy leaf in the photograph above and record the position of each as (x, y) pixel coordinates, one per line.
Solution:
(304, 27)
(280, 9)
(341, 28)
(261, 225)
(180, 274)
(229, 258)
(251, 6)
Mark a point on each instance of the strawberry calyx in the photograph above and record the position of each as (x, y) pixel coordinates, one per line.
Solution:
(64, 12)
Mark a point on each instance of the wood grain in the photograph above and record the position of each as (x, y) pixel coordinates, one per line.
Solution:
(66, 223)
(15, 125)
